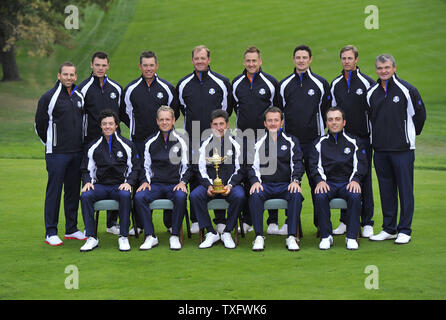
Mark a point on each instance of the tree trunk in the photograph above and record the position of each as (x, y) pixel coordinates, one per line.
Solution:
(9, 66)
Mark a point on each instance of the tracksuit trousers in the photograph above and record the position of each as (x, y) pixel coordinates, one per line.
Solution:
(104, 192)
(143, 199)
(395, 177)
(198, 203)
(368, 206)
(63, 172)
(322, 208)
(270, 191)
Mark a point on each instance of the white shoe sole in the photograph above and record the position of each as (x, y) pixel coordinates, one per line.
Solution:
(88, 250)
(145, 249)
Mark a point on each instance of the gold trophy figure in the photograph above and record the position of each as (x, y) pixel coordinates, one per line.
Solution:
(216, 160)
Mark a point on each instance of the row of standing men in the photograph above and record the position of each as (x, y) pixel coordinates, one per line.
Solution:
(303, 96)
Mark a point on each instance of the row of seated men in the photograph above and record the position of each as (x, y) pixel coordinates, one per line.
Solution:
(111, 167)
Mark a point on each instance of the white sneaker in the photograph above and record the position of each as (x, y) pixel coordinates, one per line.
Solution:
(284, 230)
(209, 241)
(78, 235)
(352, 244)
(132, 231)
(124, 244)
(402, 238)
(175, 243)
(220, 228)
(273, 228)
(291, 243)
(149, 243)
(367, 231)
(114, 230)
(90, 244)
(227, 240)
(246, 228)
(341, 229)
(259, 243)
(382, 236)
(326, 243)
(53, 241)
(195, 228)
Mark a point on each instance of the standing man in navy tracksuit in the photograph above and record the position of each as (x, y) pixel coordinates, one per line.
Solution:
(349, 92)
(200, 93)
(165, 173)
(397, 115)
(100, 93)
(254, 91)
(276, 173)
(305, 98)
(231, 174)
(109, 170)
(58, 123)
(142, 99)
(338, 165)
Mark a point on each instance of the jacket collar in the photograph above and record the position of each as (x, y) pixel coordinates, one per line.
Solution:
(202, 75)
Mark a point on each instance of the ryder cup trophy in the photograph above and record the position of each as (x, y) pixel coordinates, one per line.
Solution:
(216, 160)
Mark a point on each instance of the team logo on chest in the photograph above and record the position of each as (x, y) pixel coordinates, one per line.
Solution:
(359, 91)
(119, 154)
(79, 104)
(160, 95)
(347, 150)
(283, 147)
(211, 91)
(175, 149)
(396, 99)
(262, 91)
(113, 95)
(311, 92)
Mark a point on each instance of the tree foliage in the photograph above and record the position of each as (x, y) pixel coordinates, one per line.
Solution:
(39, 24)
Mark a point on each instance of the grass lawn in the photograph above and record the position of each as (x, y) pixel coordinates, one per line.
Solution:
(34, 270)
(413, 31)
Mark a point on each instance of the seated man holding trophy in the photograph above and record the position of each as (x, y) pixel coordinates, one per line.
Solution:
(276, 173)
(221, 171)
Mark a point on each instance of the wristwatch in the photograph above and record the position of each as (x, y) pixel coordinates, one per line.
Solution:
(296, 180)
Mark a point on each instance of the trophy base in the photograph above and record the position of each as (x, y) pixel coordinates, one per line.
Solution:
(219, 191)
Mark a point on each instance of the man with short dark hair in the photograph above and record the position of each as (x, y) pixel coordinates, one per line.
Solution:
(305, 97)
(337, 166)
(109, 170)
(349, 92)
(230, 172)
(100, 93)
(58, 124)
(142, 99)
(397, 115)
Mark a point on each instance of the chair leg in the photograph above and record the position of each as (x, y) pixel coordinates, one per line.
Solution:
(186, 216)
(240, 221)
(300, 229)
(135, 227)
(97, 222)
(181, 235)
(236, 232)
